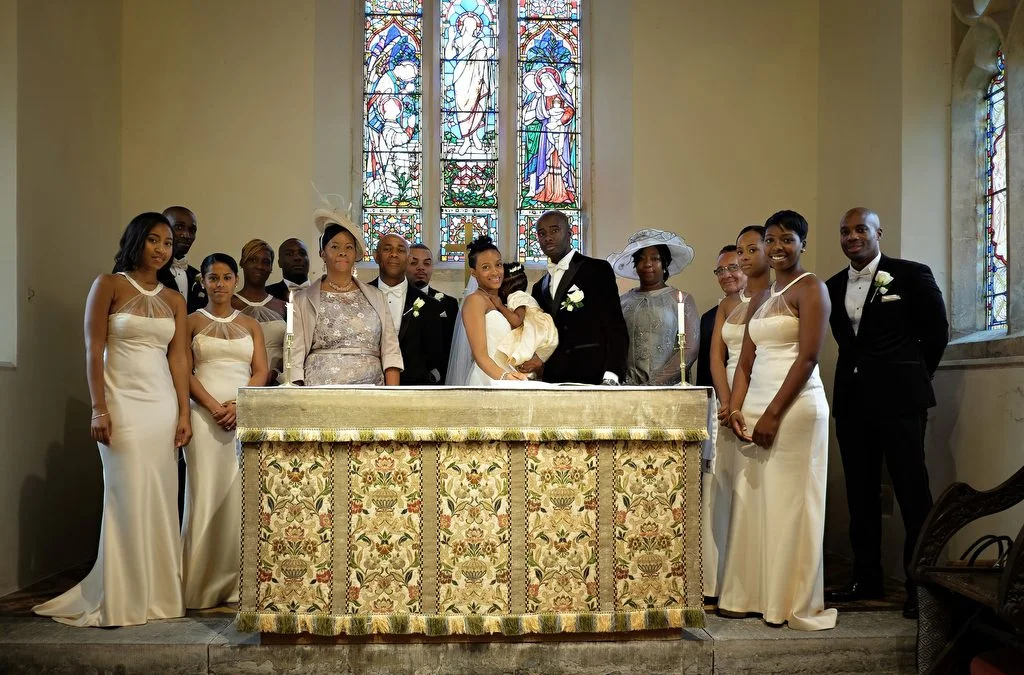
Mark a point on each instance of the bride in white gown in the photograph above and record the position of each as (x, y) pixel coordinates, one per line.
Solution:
(483, 321)
(138, 381)
(774, 563)
(228, 353)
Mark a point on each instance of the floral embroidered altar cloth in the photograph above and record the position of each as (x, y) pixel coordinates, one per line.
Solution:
(443, 511)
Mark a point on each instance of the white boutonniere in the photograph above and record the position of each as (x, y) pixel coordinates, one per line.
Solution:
(417, 305)
(573, 299)
(439, 296)
(882, 281)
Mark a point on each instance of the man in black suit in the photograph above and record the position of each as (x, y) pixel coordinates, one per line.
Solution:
(293, 259)
(419, 272)
(417, 316)
(731, 280)
(181, 276)
(581, 295)
(889, 320)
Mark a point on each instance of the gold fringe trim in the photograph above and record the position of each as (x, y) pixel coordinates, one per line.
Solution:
(449, 435)
(441, 625)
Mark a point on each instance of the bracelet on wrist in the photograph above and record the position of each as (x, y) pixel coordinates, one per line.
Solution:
(503, 374)
(99, 415)
(733, 413)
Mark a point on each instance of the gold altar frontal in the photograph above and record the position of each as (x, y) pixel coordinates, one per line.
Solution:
(464, 511)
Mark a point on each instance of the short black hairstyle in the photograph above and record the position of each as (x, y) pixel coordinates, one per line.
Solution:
(728, 248)
(478, 246)
(663, 253)
(224, 258)
(515, 280)
(421, 246)
(790, 221)
(751, 228)
(133, 240)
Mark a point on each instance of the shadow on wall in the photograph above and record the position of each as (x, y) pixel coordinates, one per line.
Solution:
(943, 420)
(59, 512)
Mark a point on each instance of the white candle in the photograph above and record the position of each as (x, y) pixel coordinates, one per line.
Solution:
(290, 324)
(681, 310)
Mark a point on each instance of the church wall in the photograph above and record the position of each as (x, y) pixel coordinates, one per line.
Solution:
(68, 201)
(218, 116)
(725, 123)
(858, 164)
(8, 180)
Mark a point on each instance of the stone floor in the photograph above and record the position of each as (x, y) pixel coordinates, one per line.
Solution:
(863, 642)
(870, 638)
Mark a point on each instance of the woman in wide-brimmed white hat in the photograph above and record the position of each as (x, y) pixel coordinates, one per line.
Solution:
(652, 256)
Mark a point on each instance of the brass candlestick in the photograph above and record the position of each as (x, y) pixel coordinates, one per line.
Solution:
(288, 340)
(681, 337)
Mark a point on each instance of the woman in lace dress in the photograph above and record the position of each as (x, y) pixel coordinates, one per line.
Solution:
(726, 343)
(651, 311)
(343, 329)
(137, 369)
(253, 300)
(227, 353)
(774, 564)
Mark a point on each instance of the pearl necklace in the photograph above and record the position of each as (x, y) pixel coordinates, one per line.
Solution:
(341, 289)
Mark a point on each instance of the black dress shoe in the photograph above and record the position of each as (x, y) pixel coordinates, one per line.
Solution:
(910, 608)
(854, 591)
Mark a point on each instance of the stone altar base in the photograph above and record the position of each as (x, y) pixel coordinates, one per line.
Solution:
(863, 642)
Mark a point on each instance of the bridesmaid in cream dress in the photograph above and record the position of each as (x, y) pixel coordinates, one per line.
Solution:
(135, 331)
(228, 353)
(257, 262)
(726, 343)
(775, 562)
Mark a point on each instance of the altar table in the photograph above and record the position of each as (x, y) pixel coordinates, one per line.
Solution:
(456, 510)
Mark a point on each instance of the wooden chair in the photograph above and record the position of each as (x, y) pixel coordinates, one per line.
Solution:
(983, 603)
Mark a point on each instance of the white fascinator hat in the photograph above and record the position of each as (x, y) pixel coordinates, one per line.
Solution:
(328, 215)
(682, 253)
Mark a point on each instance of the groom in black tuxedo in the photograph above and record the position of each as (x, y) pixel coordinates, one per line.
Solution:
(889, 320)
(417, 317)
(581, 295)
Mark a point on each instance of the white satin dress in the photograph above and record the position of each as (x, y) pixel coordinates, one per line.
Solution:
(496, 327)
(137, 575)
(211, 527)
(774, 560)
(717, 496)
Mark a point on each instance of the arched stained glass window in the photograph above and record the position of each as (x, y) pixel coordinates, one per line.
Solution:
(548, 154)
(486, 161)
(994, 192)
(392, 105)
(469, 123)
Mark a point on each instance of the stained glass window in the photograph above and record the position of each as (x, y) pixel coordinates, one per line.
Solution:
(994, 190)
(392, 146)
(548, 131)
(469, 122)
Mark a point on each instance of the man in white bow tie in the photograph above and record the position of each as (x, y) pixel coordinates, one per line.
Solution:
(181, 276)
(417, 317)
(889, 321)
(293, 259)
(581, 296)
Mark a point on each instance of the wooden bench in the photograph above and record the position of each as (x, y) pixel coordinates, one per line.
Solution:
(964, 609)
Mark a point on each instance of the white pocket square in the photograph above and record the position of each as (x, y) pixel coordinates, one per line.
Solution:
(890, 298)
(444, 315)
